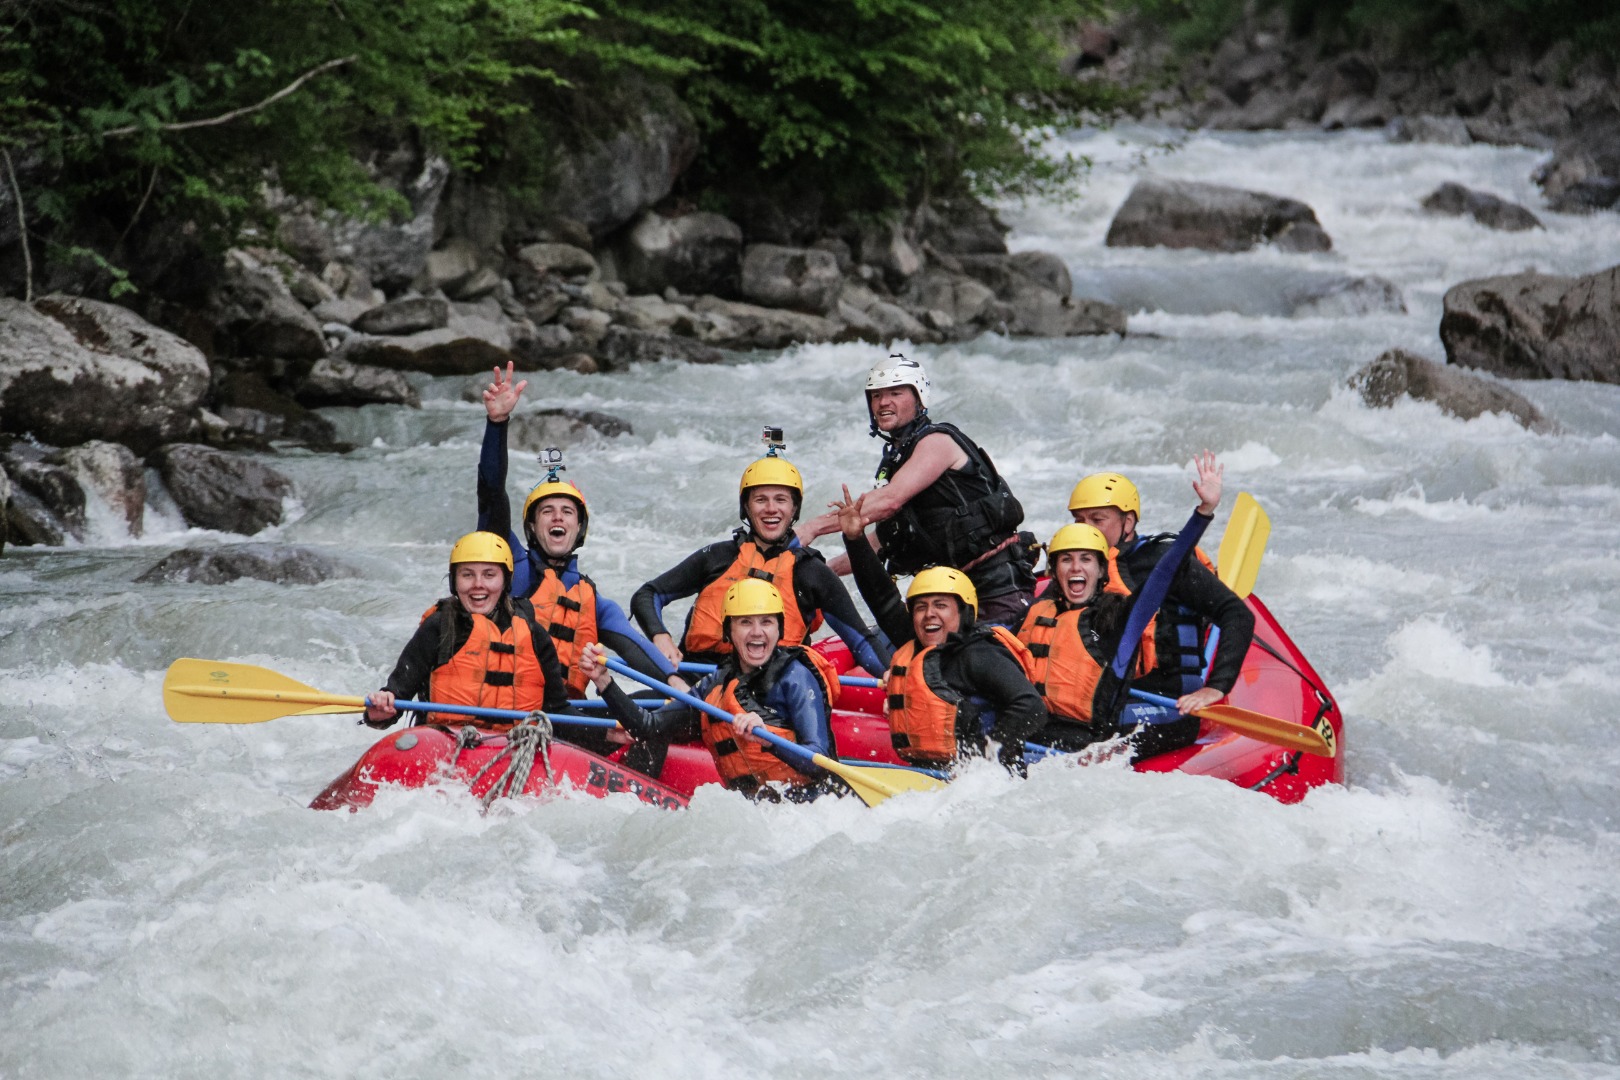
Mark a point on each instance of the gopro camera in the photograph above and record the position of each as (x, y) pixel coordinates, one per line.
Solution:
(773, 439)
(551, 460)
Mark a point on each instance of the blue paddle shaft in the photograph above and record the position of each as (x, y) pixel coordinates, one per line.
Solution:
(693, 668)
(788, 745)
(499, 714)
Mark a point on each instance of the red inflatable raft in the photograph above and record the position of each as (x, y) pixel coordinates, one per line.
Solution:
(1277, 680)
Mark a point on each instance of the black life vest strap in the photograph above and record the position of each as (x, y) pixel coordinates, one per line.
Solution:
(498, 678)
(502, 647)
(559, 632)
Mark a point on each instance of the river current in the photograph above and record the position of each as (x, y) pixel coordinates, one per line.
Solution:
(170, 908)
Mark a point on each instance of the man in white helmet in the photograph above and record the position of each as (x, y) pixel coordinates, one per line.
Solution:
(940, 500)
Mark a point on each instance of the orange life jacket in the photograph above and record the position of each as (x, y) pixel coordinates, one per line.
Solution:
(1066, 667)
(923, 708)
(703, 629)
(745, 764)
(569, 616)
(495, 669)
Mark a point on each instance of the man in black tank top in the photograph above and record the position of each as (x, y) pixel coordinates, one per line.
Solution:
(939, 500)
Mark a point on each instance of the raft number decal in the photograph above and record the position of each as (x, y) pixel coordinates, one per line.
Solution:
(600, 776)
(1324, 728)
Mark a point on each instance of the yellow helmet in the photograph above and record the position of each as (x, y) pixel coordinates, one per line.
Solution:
(944, 580)
(547, 488)
(1106, 489)
(751, 596)
(770, 470)
(1079, 538)
(482, 547)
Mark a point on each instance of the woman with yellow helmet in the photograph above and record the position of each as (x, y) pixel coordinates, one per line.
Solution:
(954, 682)
(769, 499)
(1091, 635)
(555, 523)
(761, 682)
(478, 646)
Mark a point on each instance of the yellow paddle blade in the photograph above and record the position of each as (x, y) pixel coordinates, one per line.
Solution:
(217, 692)
(875, 785)
(1273, 730)
(1243, 545)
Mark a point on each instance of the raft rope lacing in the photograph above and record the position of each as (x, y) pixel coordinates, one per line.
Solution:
(531, 736)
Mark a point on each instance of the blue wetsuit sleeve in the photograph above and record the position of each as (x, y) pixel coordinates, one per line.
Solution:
(495, 508)
(1146, 603)
(798, 699)
(616, 631)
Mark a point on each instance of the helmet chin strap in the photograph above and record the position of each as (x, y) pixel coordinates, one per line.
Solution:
(899, 433)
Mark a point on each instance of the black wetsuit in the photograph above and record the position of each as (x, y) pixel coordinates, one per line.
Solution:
(1196, 600)
(1008, 708)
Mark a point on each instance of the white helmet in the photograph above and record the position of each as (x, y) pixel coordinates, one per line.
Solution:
(897, 370)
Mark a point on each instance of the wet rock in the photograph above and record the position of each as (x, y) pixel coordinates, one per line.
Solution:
(695, 253)
(334, 381)
(799, 278)
(474, 340)
(621, 346)
(1398, 373)
(247, 403)
(1536, 326)
(587, 325)
(534, 431)
(653, 314)
(457, 269)
(869, 317)
(563, 260)
(1044, 269)
(112, 477)
(73, 370)
(1442, 130)
(226, 492)
(961, 227)
(1489, 210)
(60, 493)
(279, 563)
(1026, 286)
(1187, 214)
(1583, 174)
(407, 315)
(254, 313)
(736, 325)
(1345, 297)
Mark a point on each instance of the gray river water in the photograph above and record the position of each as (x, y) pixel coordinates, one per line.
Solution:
(170, 908)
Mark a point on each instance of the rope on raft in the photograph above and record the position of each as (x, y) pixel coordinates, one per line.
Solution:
(530, 737)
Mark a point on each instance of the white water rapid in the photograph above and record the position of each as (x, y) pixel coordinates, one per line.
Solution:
(170, 908)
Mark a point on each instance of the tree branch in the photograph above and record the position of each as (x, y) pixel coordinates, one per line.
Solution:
(22, 229)
(235, 114)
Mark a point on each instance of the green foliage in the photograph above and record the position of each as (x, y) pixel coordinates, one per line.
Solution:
(869, 101)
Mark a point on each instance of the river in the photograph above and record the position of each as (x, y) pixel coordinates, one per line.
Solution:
(170, 908)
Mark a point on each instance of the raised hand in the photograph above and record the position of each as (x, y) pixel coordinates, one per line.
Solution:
(501, 396)
(850, 519)
(1208, 485)
(593, 665)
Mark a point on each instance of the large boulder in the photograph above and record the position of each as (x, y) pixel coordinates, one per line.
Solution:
(59, 494)
(1343, 297)
(1398, 373)
(253, 312)
(1536, 326)
(961, 227)
(884, 246)
(964, 298)
(541, 428)
(250, 405)
(562, 260)
(1489, 210)
(406, 315)
(735, 325)
(804, 279)
(227, 492)
(278, 563)
(868, 317)
(609, 179)
(72, 370)
(1188, 214)
(1583, 174)
(1030, 304)
(694, 253)
(333, 381)
(621, 346)
(474, 339)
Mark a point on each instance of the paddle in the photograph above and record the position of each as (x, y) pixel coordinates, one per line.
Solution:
(873, 785)
(1241, 550)
(1257, 726)
(217, 692)
(694, 668)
